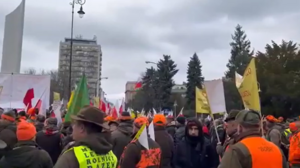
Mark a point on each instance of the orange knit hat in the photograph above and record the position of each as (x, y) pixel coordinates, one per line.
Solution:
(159, 120)
(109, 118)
(31, 111)
(140, 121)
(25, 131)
(270, 118)
(293, 126)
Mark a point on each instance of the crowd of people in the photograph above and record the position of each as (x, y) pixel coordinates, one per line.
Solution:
(93, 140)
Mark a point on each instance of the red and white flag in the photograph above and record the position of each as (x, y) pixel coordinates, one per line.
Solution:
(27, 100)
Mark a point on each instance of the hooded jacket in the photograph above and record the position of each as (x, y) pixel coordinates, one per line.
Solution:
(26, 154)
(100, 143)
(121, 137)
(194, 152)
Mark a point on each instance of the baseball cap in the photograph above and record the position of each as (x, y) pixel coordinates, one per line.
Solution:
(249, 117)
(140, 121)
(231, 116)
(159, 120)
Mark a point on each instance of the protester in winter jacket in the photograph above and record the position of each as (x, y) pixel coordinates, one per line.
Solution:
(194, 150)
(273, 131)
(9, 138)
(250, 149)
(171, 125)
(135, 155)
(112, 123)
(26, 153)
(50, 139)
(231, 132)
(122, 135)
(39, 123)
(9, 118)
(22, 116)
(294, 149)
(92, 146)
(32, 114)
(66, 130)
(164, 140)
(180, 131)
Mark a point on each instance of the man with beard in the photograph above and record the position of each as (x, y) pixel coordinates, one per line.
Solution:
(231, 129)
(194, 150)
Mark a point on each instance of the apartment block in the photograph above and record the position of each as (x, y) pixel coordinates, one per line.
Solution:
(86, 58)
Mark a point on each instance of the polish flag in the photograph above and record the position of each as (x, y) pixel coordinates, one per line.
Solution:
(91, 103)
(102, 102)
(122, 107)
(28, 98)
(114, 113)
(138, 85)
(39, 105)
(108, 109)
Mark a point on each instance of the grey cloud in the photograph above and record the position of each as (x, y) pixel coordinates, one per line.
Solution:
(133, 33)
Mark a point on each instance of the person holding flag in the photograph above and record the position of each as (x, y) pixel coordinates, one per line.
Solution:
(142, 151)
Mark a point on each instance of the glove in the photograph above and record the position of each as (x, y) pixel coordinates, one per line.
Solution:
(220, 149)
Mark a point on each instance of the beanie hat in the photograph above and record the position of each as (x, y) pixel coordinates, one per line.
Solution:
(32, 111)
(159, 120)
(25, 131)
(180, 120)
(51, 121)
(125, 116)
(9, 115)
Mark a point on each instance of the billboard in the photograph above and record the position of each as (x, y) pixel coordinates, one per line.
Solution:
(15, 86)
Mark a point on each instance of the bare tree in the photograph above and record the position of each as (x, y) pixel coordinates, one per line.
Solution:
(58, 81)
(30, 71)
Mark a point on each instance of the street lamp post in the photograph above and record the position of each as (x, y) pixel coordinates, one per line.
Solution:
(97, 86)
(81, 14)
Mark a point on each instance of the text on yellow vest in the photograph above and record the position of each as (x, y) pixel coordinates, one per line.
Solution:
(87, 158)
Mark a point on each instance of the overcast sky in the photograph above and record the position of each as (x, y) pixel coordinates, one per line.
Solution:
(133, 31)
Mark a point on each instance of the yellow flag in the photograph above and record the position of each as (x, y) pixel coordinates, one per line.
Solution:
(138, 134)
(132, 114)
(202, 105)
(96, 102)
(56, 96)
(249, 88)
(71, 98)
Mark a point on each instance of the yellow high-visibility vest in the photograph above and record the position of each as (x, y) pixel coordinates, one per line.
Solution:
(87, 158)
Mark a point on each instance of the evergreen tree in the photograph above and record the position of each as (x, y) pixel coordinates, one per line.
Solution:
(194, 79)
(240, 53)
(148, 90)
(166, 69)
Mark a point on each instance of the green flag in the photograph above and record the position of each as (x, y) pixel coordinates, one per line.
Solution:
(80, 99)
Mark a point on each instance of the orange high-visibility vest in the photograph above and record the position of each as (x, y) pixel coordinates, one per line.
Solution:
(294, 149)
(263, 153)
